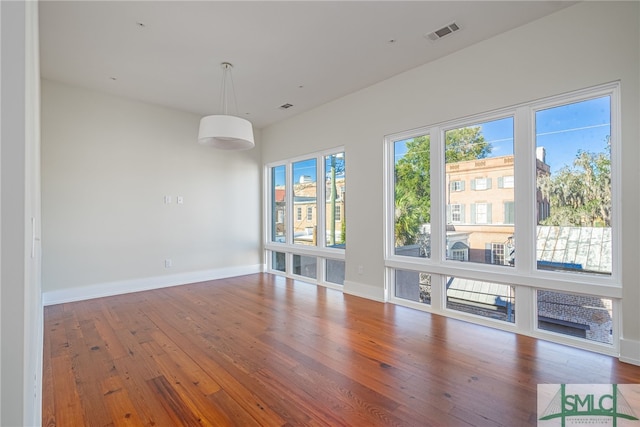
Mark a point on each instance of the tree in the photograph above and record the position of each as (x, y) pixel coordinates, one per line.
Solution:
(580, 195)
(413, 181)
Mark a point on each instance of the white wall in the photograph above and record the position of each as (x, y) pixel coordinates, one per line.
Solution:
(584, 45)
(20, 295)
(107, 164)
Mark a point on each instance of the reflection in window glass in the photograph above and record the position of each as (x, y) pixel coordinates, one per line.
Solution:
(479, 217)
(573, 153)
(304, 197)
(413, 286)
(334, 271)
(412, 196)
(581, 316)
(278, 204)
(278, 261)
(305, 266)
(486, 299)
(334, 200)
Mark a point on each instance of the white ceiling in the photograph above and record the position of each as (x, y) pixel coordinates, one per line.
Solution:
(305, 53)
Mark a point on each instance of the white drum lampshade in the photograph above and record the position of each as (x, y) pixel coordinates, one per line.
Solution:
(226, 132)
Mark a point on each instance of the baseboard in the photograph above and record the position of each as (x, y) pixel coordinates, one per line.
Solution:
(630, 351)
(362, 290)
(135, 285)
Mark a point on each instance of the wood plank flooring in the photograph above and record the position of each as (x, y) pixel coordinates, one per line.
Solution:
(261, 350)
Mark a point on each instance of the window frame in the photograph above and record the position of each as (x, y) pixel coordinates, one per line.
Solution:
(291, 249)
(524, 275)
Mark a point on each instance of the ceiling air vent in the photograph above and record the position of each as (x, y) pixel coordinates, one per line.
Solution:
(444, 31)
(285, 106)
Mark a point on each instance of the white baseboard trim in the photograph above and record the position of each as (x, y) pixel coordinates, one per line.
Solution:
(630, 351)
(136, 285)
(362, 290)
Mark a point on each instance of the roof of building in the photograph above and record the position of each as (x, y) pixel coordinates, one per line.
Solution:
(492, 294)
(574, 248)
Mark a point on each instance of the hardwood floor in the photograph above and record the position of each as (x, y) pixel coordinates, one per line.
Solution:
(264, 350)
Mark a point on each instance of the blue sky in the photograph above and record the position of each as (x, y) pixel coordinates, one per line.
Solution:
(308, 168)
(562, 131)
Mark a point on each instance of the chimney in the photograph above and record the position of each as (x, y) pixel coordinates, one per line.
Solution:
(541, 154)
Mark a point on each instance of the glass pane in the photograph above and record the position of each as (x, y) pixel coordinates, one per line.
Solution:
(335, 271)
(480, 193)
(573, 169)
(580, 316)
(304, 202)
(413, 286)
(278, 204)
(412, 194)
(486, 299)
(305, 266)
(278, 261)
(335, 196)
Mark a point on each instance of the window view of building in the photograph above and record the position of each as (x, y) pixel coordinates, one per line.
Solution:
(278, 205)
(570, 228)
(574, 233)
(315, 210)
(305, 196)
(412, 196)
(478, 201)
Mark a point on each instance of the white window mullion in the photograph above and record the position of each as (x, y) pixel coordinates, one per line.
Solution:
(290, 208)
(438, 216)
(438, 196)
(525, 195)
(321, 205)
(389, 203)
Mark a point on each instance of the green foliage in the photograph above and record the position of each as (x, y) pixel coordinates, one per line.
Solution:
(465, 144)
(580, 195)
(413, 180)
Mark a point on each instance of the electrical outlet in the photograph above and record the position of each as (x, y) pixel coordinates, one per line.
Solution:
(168, 263)
(360, 269)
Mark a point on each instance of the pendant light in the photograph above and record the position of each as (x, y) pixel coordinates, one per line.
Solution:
(224, 131)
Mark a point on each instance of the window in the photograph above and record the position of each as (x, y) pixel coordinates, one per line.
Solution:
(505, 181)
(479, 298)
(412, 196)
(480, 184)
(335, 271)
(413, 286)
(335, 185)
(457, 186)
(480, 152)
(583, 316)
(457, 213)
(481, 213)
(305, 266)
(278, 204)
(278, 261)
(573, 141)
(497, 253)
(307, 196)
(509, 212)
(460, 254)
(562, 217)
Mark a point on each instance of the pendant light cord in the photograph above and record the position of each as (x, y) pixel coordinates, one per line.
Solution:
(226, 69)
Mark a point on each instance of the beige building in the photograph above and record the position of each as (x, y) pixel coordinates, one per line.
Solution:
(480, 203)
(305, 205)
